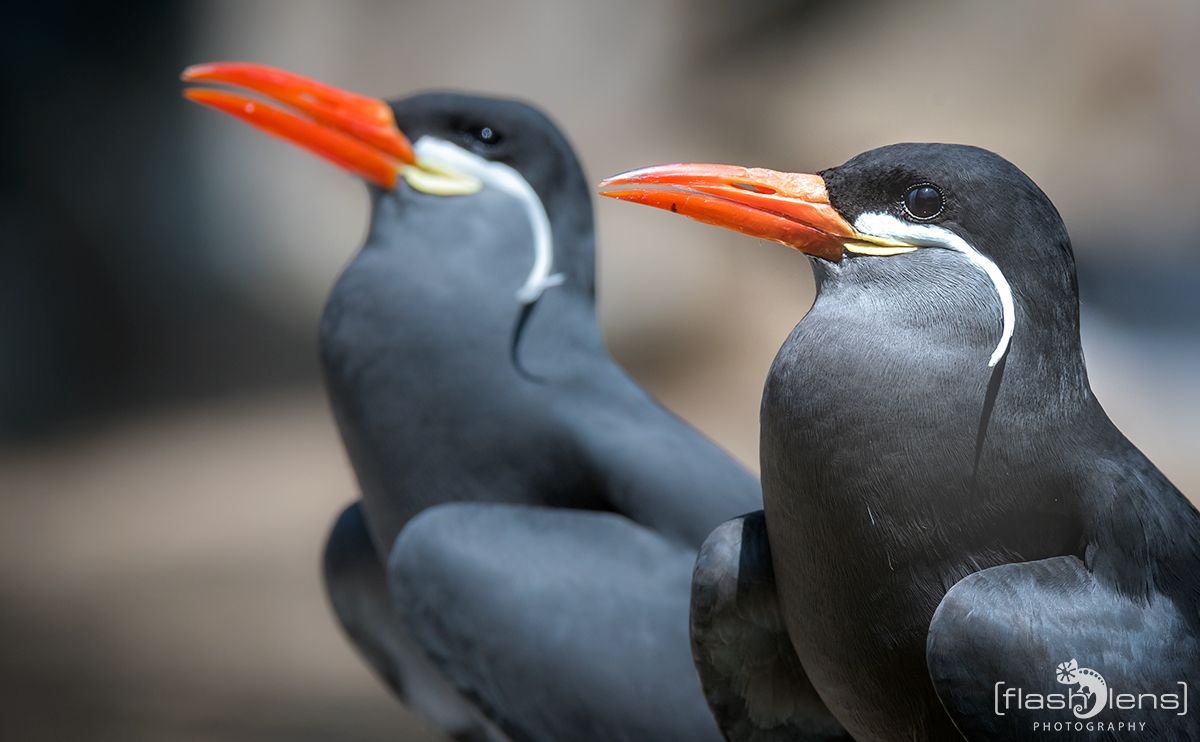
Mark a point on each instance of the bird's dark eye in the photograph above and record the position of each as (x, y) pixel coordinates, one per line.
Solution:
(485, 135)
(923, 202)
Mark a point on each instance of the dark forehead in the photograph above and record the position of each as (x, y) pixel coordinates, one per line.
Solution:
(441, 105)
(939, 163)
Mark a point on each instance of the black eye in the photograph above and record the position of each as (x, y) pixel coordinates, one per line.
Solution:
(485, 135)
(923, 202)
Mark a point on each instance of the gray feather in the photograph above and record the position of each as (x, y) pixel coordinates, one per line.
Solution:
(1015, 623)
(559, 624)
(356, 583)
(752, 678)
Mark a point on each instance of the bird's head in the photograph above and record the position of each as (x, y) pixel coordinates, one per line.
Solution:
(440, 144)
(874, 220)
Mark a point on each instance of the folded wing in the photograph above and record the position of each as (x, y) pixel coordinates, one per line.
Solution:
(1036, 627)
(752, 679)
(558, 624)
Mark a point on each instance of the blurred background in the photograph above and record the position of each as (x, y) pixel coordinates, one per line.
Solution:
(168, 466)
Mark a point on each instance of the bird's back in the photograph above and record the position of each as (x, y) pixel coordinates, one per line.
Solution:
(438, 412)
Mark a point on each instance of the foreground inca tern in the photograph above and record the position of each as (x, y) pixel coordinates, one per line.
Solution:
(957, 530)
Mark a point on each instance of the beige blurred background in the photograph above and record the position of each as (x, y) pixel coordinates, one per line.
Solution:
(168, 467)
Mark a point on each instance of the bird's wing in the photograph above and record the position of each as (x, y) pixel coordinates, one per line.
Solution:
(752, 678)
(357, 587)
(1003, 639)
(559, 624)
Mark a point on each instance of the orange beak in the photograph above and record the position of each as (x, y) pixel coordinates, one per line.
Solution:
(789, 208)
(352, 131)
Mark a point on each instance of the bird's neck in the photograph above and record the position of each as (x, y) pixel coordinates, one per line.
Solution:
(447, 312)
(929, 315)
(573, 229)
(879, 393)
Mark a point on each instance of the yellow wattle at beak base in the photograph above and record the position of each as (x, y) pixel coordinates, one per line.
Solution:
(878, 250)
(435, 181)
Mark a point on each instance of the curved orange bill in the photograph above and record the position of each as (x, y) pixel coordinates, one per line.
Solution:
(352, 131)
(789, 208)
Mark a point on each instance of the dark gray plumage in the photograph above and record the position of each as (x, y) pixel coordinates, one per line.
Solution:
(890, 473)
(357, 585)
(752, 679)
(566, 624)
(1017, 623)
(526, 610)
